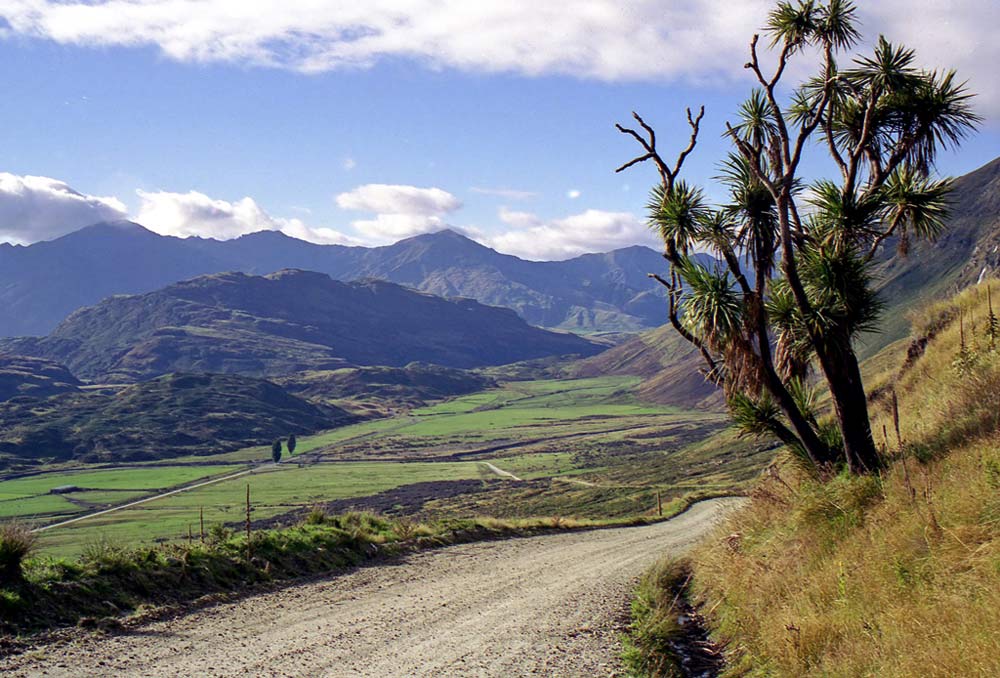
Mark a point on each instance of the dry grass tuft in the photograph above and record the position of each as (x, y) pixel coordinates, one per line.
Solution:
(17, 541)
(891, 576)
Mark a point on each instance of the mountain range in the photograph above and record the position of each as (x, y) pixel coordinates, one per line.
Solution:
(285, 322)
(41, 284)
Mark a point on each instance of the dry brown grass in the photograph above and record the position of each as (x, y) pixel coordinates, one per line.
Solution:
(892, 576)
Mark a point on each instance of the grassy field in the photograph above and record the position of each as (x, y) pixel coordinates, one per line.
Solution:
(273, 491)
(29, 497)
(583, 447)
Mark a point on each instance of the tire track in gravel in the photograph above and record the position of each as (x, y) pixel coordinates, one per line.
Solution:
(551, 605)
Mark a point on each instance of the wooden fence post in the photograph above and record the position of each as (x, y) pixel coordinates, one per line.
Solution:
(248, 523)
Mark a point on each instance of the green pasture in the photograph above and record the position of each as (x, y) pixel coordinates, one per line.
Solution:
(273, 491)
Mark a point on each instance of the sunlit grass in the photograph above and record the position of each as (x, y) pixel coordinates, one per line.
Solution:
(892, 576)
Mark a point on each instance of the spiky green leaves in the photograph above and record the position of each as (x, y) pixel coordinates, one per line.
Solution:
(807, 22)
(758, 416)
(756, 122)
(909, 204)
(839, 286)
(841, 220)
(713, 307)
(677, 214)
(886, 104)
(916, 205)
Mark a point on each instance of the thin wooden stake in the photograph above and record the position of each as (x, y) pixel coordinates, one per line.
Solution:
(659, 504)
(201, 518)
(248, 523)
(190, 535)
(895, 418)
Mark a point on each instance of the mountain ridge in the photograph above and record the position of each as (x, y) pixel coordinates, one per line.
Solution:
(592, 292)
(286, 322)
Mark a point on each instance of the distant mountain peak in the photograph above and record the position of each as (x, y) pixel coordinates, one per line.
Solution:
(114, 226)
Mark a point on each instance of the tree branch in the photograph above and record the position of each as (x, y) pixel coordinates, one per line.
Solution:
(713, 368)
(666, 176)
(695, 125)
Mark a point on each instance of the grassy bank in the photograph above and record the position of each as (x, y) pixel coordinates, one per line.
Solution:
(886, 576)
(109, 580)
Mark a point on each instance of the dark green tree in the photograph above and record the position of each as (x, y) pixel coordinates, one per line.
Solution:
(291, 444)
(793, 288)
(276, 450)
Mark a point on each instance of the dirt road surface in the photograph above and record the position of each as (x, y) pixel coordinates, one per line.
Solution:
(541, 606)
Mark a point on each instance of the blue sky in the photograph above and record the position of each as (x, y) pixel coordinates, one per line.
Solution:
(178, 115)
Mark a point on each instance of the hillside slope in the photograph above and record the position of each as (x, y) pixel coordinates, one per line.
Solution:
(669, 366)
(606, 292)
(286, 322)
(893, 576)
(22, 376)
(968, 249)
(170, 416)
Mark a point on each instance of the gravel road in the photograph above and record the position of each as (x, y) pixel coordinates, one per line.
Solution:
(541, 606)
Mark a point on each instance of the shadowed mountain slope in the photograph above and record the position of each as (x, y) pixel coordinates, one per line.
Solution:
(286, 322)
(21, 376)
(43, 283)
(169, 416)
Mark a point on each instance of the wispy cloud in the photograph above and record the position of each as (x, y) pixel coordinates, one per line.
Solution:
(602, 39)
(196, 214)
(41, 208)
(506, 193)
(532, 237)
(400, 211)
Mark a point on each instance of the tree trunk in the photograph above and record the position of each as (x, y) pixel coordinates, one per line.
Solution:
(806, 435)
(843, 376)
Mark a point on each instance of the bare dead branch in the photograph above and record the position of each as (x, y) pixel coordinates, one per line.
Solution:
(695, 125)
(649, 145)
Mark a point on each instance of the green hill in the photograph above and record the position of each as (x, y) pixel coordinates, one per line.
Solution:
(376, 388)
(22, 376)
(173, 415)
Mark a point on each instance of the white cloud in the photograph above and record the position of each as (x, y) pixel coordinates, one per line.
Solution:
(573, 194)
(603, 39)
(400, 211)
(399, 199)
(40, 208)
(507, 193)
(589, 231)
(196, 214)
(348, 164)
(521, 220)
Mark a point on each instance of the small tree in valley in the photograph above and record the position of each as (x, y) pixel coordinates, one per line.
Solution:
(291, 444)
(793, 288)
(276, 450)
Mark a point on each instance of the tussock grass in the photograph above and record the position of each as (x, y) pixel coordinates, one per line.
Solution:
(897, 575)
(650, 646)
(17, 541)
